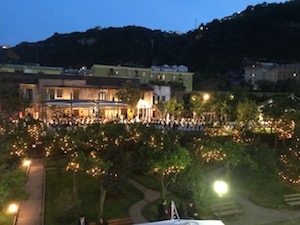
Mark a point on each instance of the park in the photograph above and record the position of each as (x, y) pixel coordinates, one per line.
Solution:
(88, 167)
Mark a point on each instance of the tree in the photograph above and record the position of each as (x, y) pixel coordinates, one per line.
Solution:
(130, 94)
(101, 156)
(197, 105)
(247, 111)
(174, 107)
(11, 100)
(164, 157)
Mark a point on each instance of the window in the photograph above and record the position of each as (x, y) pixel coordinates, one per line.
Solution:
(51, 94)
(29, 94)
(111, 72)
(76, 94)
(102, 96)
(163, 98)
(59, 93)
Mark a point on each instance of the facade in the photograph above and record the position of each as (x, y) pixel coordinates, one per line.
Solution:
(272, 72)
(30, 69)
(161, 94)
(156, 74)
(76, 96)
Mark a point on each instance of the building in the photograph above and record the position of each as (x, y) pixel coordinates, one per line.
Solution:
(161, 75)
(76, 96)
(270, 71)
(30, 69)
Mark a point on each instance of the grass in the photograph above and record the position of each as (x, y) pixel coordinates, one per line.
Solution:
(89, 196)
(6, 219)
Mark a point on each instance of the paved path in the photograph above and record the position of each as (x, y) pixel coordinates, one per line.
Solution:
(31, 211)
(254, 214)
(135, 211)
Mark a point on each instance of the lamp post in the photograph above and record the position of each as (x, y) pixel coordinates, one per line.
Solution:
(221, 188)
(26, 165)
(13, 209)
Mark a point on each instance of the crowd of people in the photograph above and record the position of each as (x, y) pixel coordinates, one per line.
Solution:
(187, 124)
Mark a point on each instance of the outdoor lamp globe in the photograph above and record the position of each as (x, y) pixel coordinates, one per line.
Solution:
(220, 187)
(12, 208)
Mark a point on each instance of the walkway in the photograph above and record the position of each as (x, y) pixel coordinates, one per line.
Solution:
(254, 214)
(31, 211)
(135, 211)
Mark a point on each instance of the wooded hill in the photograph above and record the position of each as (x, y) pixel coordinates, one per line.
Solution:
(265, 32)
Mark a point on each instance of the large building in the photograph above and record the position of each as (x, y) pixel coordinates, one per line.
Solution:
(30, 69)
(270, 71)
(154, 75)
(78, 96)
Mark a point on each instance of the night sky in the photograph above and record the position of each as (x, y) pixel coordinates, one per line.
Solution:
(36, 20)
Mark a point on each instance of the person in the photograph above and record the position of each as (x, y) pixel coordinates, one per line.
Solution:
(82, 220)
(191, 211)
(102, 221)
(162, 211)
(182, 210)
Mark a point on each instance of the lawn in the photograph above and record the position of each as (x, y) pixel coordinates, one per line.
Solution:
(6, 219)
(89, 196)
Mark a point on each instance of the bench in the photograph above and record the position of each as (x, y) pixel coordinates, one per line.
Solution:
(120, 221)
(292, 199)
(227, 208)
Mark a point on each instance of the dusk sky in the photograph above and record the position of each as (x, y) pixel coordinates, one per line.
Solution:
(37, 20)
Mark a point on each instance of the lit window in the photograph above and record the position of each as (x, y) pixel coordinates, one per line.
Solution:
(29, 94)
(102, 96)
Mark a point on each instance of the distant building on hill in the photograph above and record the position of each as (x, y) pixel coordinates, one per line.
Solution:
(269, 71)
(30, 69)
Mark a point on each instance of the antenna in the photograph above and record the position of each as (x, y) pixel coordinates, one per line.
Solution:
(195, 24)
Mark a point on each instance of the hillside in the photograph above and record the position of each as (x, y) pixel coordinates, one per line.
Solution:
(265, 31)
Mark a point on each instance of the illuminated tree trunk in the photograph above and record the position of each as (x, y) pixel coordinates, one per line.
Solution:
(101, 200)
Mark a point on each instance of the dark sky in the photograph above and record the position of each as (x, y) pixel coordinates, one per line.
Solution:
(36, 20)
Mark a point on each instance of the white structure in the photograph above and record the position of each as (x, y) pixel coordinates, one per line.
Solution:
(175, 220)
(161, 93)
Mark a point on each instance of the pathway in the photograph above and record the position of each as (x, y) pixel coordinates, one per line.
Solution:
(31, 210)
(254, 214)
(135, 211)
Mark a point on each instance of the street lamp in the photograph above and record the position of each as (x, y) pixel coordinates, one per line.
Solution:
(26, 165)
(221, 188)
(13, 210)
(206, 97)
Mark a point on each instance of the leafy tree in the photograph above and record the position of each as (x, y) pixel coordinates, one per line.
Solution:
(101, 156)
(163, 157)
(11, 100)
(174, 107)
(247, 111)
(130, 95)
(197, 105)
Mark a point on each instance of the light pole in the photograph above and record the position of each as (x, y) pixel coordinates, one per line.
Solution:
(13, 209)
(26, 165)
(221, 188)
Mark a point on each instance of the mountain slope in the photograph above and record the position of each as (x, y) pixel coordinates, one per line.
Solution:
(265, 31)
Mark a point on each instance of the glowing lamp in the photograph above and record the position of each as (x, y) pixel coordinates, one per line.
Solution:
(220, 187)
